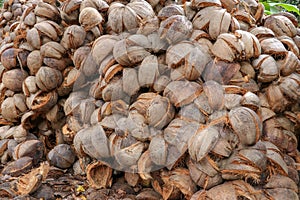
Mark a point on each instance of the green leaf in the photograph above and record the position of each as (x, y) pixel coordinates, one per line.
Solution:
(267, 6)
(287, 7)
(274, 1)
(268, 12)
(274, 9)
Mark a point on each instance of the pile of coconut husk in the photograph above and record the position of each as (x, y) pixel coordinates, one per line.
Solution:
(150, 99)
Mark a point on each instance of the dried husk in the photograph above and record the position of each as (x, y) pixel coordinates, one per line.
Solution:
(131, 84)
(272, 46)
(99, 175)
(170, 10)
(33, 38)
(177, 135)
(20, 134)
(89, 66)
(289, 64)
(180, 179)
(148, 71)
(48, 29)
(102, 6)
(42, 101)
(18, 167)
(215, 94)
(52, 50)
(31, 148)
(246, 124)
(290, 85)
(241, 45)
(182, 93)
(89, 18)
(61, 156)
(46, 10)
(13, 79)
(160, 112)
(280, 25)
(73, 37)
(275, 98)
(275, 157)
(203, 142)
(158, 150)
(135, 12)
(128, 157)
(205, 3)
(80, 55)
(131, 51)
(251, 101)
(100, 51)
(203, 174)
(13, 107)
(9, 58)
(145, 166)
(176, 53)
(220, 71)
(175, 29)
(34, 61)
(90, 143)
(48, 78)
(268, 68)
(30, 182)
(191, 112)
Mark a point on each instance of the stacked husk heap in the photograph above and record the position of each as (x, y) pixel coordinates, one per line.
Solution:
(148, 100)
